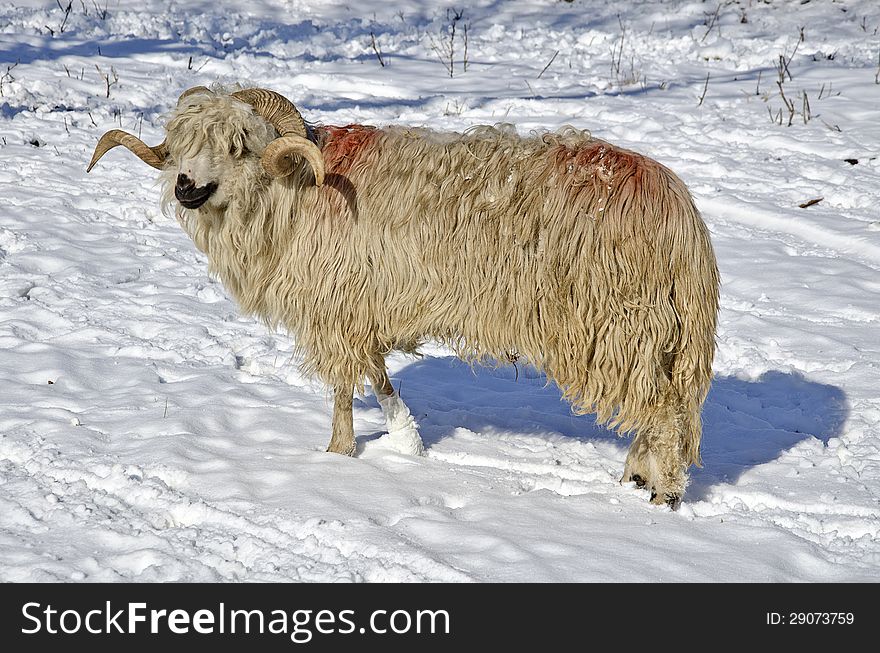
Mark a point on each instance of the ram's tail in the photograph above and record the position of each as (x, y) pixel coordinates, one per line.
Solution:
(695, 299)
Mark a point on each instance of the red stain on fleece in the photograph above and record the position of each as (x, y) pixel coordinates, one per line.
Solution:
(343, 146)
(604, 161)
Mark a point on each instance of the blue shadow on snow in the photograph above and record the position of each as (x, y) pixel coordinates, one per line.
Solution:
(745, 423)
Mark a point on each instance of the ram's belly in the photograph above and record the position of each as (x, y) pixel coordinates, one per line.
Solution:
(484, 288)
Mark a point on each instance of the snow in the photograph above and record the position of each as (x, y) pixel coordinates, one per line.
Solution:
(148, 432)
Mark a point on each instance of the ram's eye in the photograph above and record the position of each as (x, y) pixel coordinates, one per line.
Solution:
(238, 150)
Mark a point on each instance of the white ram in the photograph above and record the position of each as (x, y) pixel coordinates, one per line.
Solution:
(586, 260)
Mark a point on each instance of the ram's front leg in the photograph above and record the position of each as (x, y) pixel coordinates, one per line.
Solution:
(342, 440)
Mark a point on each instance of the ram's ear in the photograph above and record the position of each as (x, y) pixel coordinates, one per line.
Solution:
(152, 156)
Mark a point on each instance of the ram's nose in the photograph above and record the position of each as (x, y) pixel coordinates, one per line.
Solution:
(191, 196)
(184, 184)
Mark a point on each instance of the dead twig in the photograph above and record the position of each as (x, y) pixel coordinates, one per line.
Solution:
(7, 76)
(788, 104)
(445, 48)
(102, 13)
(617, 55)
(705, 88)
(712, 21)
(66, 15)
(784, 62)
(106, 77)
(552, 59)
(465, 59)
(376, 49)
(809, 203)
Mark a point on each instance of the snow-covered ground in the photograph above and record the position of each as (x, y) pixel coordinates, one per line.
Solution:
(148, 432)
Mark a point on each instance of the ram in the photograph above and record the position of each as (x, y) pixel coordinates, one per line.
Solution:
(586, 260)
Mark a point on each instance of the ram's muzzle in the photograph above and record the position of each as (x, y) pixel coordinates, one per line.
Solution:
(191, 196)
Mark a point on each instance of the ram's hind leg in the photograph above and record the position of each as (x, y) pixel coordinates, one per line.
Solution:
(342, 440)
(403, 431)
(382, 387)
(656, 459)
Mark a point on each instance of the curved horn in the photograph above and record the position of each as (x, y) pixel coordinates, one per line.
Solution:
(152, 156)
(276, 109)
(276, 157)
(294, 138)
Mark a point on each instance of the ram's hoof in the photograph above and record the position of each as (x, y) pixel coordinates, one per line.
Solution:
(348, 451)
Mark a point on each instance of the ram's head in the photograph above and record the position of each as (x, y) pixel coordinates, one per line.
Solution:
(200, 149)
